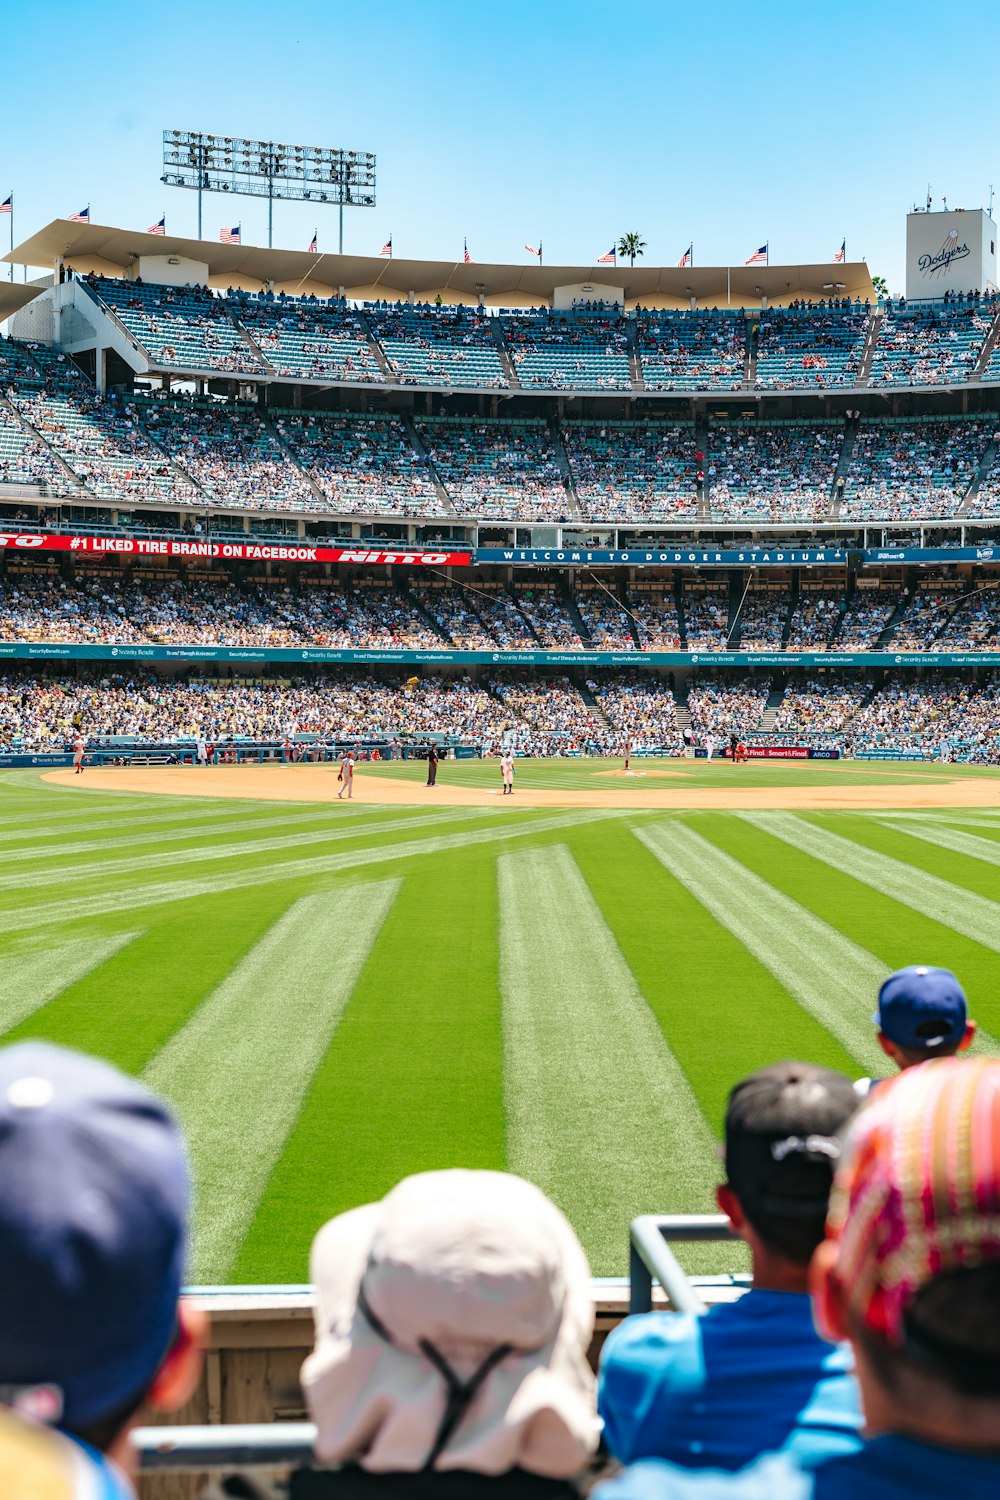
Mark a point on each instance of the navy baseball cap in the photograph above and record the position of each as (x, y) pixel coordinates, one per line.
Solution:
(922, 1007)
(94, 1194)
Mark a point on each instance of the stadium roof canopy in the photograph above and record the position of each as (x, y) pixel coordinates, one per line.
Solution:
(115, 252)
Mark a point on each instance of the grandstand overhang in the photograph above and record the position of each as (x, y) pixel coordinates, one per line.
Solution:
(108, 251)
(14, 295)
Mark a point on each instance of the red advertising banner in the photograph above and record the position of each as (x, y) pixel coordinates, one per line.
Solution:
(778, 752)
(238, 551)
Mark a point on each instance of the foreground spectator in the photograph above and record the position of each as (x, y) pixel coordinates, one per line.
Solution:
(93, 1211)
(751, 1376)
(910, 1274)
(452, 1327)
(922, 1013)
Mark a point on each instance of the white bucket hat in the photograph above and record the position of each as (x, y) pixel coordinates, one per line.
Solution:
(452, 1326)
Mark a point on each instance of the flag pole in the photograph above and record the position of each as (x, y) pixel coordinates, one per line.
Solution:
(540, 252)
(12, 232)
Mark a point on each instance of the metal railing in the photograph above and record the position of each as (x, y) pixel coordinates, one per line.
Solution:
(651, 1258)
(250, 1445)
(281, 1445)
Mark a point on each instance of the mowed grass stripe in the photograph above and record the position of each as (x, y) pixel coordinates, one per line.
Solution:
(29, 980)
(723, 1013)
(941, 900)
(973, 845)
(132, 897)
(895, 934)
(60, 822)
(829, 975)
(238, 1071)
(596, 1102)
(413, 1079)
(207, 850)
(130, 1007)
(155, 837)
(872, 832)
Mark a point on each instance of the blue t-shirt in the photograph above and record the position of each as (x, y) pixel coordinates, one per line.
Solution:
(886, 1468)
(715, 1391)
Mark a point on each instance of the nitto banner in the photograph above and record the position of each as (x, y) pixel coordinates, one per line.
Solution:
(238, 551)
(320, 655)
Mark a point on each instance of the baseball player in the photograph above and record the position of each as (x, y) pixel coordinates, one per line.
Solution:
(79, 745)
(626, 751)
(346, 775)
(507, 772)
(201, 750)
(710, 745)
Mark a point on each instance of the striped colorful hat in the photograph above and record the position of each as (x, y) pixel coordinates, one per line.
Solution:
(917, 1194)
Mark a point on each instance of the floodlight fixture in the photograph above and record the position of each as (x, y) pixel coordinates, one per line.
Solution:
(268, 169)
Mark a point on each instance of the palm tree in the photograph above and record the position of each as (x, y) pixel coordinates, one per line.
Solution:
(631, 245)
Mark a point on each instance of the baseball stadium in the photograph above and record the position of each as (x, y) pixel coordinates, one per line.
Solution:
(463, 714)
(273, 518)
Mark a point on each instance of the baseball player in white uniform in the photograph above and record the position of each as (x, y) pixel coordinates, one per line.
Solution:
(507, 772)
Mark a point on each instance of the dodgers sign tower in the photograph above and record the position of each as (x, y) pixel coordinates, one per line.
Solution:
(951, 251)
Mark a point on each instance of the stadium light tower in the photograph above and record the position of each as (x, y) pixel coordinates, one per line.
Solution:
(267, 169)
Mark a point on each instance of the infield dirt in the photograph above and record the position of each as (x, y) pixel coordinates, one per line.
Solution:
(317, 783)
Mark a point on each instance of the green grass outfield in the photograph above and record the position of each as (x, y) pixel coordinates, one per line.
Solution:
(335, 995)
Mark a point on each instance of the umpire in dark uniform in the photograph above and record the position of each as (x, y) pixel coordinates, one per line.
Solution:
(432, 764)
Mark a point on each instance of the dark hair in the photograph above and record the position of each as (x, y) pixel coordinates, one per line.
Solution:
(782, 1142)
(951, 1336)
(948, 1047)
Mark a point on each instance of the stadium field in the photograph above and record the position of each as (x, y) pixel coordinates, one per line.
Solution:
(335, 994)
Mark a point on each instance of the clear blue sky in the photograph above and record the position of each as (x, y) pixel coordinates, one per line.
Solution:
(725, 122)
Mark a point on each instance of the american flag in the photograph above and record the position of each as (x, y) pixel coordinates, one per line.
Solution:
(468, 257)
(758, 256)
(83, 217)
(387, 247)
(160, 227)
(840, 253)
(607, 260)
(532, 251)
(687, 257)
(313, 246)
(230, 236)
(7, 206)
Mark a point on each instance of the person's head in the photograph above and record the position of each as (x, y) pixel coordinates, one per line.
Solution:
(452, 1326)
(922, 1013)
(94, 1198)
(782, 1131)
(910, 1268)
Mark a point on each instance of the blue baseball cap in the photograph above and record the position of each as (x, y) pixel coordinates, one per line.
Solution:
(94, 1194)
(922, 1007)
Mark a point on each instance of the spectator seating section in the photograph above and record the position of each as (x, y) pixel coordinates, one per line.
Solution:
(687, 351)
(306, 339)
(632, 470)
(915, 468)
(774, 471)
(187, 328)
(582, 349)
(438, 346)
(930, 345)
(506, 468)
(363, 465)
(808, 347)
